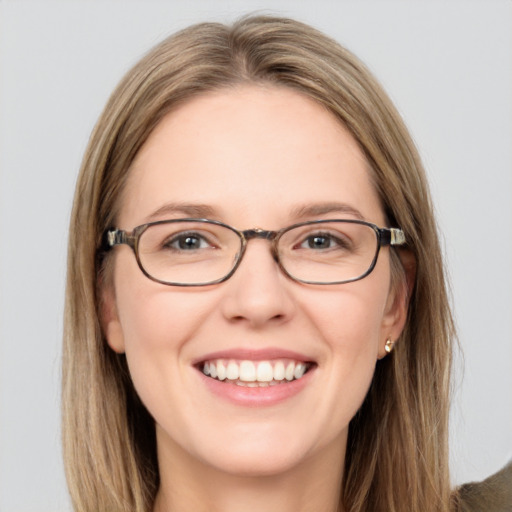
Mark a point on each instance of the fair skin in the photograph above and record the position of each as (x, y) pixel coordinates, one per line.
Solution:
(247, 157)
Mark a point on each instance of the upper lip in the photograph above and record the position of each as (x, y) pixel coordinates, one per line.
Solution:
(254, 355)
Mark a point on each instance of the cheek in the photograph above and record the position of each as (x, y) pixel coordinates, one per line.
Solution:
(156, 320)
(351, 318)
(349, 322)
(353, 343)
(152, 316)
(159, 326)
(159, 334)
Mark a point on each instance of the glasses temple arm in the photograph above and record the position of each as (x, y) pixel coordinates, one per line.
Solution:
(392, 236)
(115, 236)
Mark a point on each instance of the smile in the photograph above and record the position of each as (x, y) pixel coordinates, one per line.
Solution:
(248, 373)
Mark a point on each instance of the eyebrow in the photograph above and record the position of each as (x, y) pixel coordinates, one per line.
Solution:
(315, 210)
(192, 210)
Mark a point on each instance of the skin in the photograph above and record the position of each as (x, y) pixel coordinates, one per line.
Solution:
(250, 156)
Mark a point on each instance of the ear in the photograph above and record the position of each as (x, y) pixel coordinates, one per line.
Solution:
(109, 319)
(397, 305)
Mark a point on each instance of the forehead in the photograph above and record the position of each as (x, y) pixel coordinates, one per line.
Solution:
(251, 154)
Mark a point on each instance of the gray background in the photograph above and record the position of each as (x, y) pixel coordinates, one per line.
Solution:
(447, 65)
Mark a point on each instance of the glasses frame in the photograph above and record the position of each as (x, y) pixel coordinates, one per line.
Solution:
(384, 236)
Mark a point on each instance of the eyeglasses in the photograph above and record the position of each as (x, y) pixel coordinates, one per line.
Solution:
(200, 252)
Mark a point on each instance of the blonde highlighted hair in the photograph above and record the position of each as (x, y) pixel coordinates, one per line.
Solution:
(397, 458)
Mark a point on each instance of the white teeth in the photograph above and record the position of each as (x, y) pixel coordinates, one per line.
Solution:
(232, 371)
(298, 372)
(279, 371)
(253, 374)
(289, 371)
(221, 370)
(247, 371)
(264, 372)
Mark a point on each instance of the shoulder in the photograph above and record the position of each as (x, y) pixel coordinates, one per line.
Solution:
(493, 494)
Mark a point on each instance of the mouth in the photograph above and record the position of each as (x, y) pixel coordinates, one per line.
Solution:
(254, 374)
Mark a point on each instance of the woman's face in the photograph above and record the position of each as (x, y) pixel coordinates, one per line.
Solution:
(251, 157)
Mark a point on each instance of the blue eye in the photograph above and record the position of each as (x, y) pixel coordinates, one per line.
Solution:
(318, 242)
(322, 241)
(186, 242)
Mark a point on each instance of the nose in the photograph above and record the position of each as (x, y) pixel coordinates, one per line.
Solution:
(258, 293)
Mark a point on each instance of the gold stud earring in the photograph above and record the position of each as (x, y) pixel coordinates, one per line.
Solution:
(388, 347)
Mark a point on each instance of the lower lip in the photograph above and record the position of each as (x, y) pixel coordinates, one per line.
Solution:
(256, 397)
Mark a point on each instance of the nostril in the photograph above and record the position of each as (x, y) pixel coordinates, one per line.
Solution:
(242, 318)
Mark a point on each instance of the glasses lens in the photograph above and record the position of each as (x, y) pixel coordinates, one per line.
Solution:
(328, 252)
(188, 253)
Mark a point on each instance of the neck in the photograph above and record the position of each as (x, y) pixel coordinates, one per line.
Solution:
(188, 484)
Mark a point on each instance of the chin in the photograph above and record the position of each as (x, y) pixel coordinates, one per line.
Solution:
(268, 450)
(257, 463)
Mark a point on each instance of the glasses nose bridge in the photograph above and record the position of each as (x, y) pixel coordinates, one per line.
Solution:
(255, 233)
(249, 234)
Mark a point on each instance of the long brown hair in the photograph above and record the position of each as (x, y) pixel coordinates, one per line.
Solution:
(397, 456)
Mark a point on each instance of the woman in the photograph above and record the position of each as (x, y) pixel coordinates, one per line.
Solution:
(256, 307)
